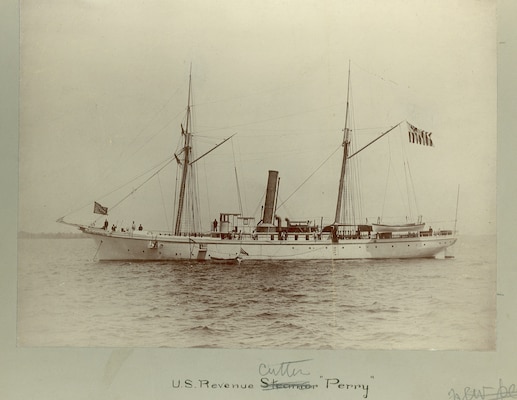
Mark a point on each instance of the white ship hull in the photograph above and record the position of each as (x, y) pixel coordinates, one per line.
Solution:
(149, 247)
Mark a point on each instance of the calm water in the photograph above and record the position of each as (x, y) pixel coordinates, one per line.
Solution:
(67, 299)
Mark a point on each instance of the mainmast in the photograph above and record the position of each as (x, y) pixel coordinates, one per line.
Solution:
(186, 160)
(345, 144)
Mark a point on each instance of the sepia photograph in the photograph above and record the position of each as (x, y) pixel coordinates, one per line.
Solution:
(318, 175)
(275, 199)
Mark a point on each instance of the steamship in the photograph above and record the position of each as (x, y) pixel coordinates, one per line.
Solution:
(237, 237)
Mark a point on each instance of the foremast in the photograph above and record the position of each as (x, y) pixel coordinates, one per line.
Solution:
(187, 148)
(187, 164)
(345, 144)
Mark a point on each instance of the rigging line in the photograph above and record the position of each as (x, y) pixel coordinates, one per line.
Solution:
(196, 205)
(309, 177)
(107, 172)
(142, 184)
(293, 83)
(377, 128)
(395, 173)
(406, 179)
(411, 186)
(353, 195)
(359, 189)
(279, 132)
(457, 204)
(156, 134)
(274, 154)
(287, 211)
(276, 199)
(145, 128)
(209, 139)
(237, 180)
(376, 75)
(239, 154)
(259, 204)
(167, 123)
(167, 160)
(175, 195)
(206, 188)
(192, 202)
(186, 221)
(158, 112)
(163, 202)
(97, 252)
(197, 208)
(410, 190)
(270, 119)
(386, 187)
(244, 96)
(409, 206)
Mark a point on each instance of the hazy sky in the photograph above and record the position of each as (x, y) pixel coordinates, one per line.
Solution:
(104, 88)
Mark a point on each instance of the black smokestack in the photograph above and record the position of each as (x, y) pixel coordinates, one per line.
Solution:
(269, 205)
